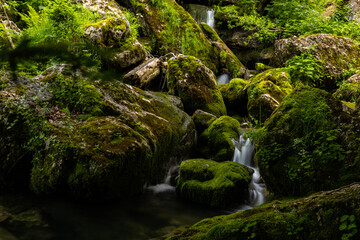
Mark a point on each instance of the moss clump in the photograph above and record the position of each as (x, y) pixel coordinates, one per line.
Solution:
(202, 120)
(108, 33)
(260, 67)
(309, 144)
(265, 93)
(234, 96)
(316, 217)
(195, 84)
(216, 184)
(216, 141)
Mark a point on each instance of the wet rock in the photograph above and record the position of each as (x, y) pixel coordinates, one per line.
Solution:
(133, 54)
(228, 60)
(109, 133)
(202, 120)
(216, 142)
(146, 75)
(265, 93)
(195, 84)
(309, 144)
(234, 96)
(337, 54)
(315, 217)
(215, 184)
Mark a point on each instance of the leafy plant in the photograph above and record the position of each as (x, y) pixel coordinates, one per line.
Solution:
(348, 226)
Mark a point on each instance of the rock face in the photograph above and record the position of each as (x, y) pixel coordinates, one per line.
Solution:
(234, 96)
(349, 91)
(216, 142)
(309, 144)
(202, 120)
(195, 84)
(174, 30)
(337, 54)
(94, 142)
(265, 93)
(228, 59)
(215, 184)
(325, 215)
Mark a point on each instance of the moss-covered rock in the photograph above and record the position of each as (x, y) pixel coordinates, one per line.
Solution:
(174, 30)
(195, 84)
(215, 184)
(336, 54)
(309, 144)
(234, 96)
(350, 90)
(216, 142)
(228, 59)
(202, 120)
(265, 93)
(129, 55)
(108, 33)
(325, 215)
(90, 139)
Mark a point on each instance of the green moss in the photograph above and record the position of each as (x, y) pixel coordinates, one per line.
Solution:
(216, 141)
(349, 91)
(202, 120)
(234, 96)
(306, 147)
(315, 217)
(260, 67)
(212, 183)
(195, 84)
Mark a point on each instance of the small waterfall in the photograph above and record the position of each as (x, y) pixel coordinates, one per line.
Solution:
(201, 13)
(244, 154)
(210, 18)
(165, 186)
(223, 78)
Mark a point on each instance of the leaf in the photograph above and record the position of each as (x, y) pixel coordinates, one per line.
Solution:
(352, 218)
(343, 226)
(343, 218)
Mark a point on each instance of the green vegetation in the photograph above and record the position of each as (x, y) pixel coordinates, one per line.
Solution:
(212, 183)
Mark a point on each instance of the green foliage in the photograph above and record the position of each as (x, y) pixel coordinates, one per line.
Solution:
(306, 68)
(58, 21)
(77, 95)
(348, 226)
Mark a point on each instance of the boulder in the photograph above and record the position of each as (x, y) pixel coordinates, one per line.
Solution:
(88, 139)
(216, 142)
(174, 30)
(349, 91)
(234, 96)
(127, 56)
(325, 215)
(146, 75)
(265, 93)
(228, 60)
(336, 54)
(195, 84)
(309, 144)
(104, 8)
(211, 183)
(202, 120)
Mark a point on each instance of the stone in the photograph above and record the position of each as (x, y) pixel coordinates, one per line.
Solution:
(349, 91)
(211, 183)
(234, 96)
(202, 120)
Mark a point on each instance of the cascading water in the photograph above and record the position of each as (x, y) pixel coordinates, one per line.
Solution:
(223, 78)
(244, 154)
(201, 13)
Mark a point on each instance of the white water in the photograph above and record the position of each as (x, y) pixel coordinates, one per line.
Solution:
(223, 78)
(210, 19)
(165, 186)
(244, 154)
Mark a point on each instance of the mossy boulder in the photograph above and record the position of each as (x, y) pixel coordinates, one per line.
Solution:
(228, 59)
(202, 120)
(216, 142)
(336, 54)
(174, 30)
(195, 84)
(265, 93)
(108, 33)
(89, 139)
(211, 183)
(234, 96)
(325, 215)
(309, 144)
(349, 91)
